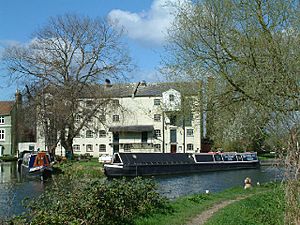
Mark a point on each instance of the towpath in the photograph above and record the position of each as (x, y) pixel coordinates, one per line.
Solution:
(204, 216)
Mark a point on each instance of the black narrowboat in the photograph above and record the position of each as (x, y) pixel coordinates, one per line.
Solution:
(152, 164)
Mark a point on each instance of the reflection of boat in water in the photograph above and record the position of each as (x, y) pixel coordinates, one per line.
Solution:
(35, 163)
(150, 164)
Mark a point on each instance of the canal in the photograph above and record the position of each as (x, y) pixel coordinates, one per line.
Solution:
(14, 187)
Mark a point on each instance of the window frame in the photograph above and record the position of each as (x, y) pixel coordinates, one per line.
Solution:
(156, 101)
(114, 118)
(102, 133)
(157, 117)
(75, 149)
(91, 134)
(157, 147)
(157, 133)
(87, 146)
(188, 134)
(101, 148)
(2, 120)
(171, 98)
(190, 147)
(2, 134)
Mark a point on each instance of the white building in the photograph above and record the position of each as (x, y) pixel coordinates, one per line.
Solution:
(146, 119)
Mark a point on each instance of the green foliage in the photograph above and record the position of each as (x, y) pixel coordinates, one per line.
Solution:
(200, 198)
(93, 201)
(266, 208)
(186, 208)
(80, 169)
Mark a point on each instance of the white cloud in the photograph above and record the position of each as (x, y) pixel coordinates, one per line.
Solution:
(147, 26)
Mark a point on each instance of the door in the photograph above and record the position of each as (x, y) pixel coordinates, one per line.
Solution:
(173, 136)
(144, 137)
(173, 148)
(116, 138)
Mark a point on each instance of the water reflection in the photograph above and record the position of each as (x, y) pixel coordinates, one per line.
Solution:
(176, 186)
(14, 188)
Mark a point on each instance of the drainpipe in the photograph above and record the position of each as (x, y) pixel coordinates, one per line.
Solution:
(163, 131)
(183, 125)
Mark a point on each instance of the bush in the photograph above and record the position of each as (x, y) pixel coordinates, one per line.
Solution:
(95, 201)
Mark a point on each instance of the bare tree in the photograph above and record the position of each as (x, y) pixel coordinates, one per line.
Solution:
(68, 58)
(251, 50)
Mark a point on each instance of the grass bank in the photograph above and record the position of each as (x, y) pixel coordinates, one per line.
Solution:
(80, 169)
(263, 208)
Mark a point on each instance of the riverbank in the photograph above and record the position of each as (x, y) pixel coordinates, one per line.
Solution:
(260, 205)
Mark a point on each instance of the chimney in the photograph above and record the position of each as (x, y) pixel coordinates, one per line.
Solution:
(18, 98)
(107, 83)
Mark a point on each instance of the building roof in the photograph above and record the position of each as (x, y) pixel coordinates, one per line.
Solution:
(149, 90)
(6, 107)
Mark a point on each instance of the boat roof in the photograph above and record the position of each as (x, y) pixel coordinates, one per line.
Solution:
(155, 158)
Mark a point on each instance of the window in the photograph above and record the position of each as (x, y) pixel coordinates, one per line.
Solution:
(76, 148)
(157, 117)
(156, 101)
(127, 147)
(2, 135)
(77, 118)
(190, 132)
(190, 147)
(144, 137)
(116, 118)
(115, 102)
(173, 136)
(171, 98)
(173, 120)
(102, 118)
(89, 148)
(157, 147)
(157, 133)
(102, 148)
(2, 121)
(102, 133)
(89, 119)
(89, 134)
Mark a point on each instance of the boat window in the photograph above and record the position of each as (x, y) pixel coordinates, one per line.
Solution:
(218, 158)
(249, 157)
(117, 159)
(239, 157)
(204, 158)
(228, 157)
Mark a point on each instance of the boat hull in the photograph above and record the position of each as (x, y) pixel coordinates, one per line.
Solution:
(156, 170)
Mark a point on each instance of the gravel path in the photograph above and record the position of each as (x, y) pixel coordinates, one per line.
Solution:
(204, 216)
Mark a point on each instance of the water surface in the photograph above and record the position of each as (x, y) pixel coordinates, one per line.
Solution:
(14, 187)
(176, 186)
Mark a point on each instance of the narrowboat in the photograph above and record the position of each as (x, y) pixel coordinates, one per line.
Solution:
(152, 164)
(37, 163)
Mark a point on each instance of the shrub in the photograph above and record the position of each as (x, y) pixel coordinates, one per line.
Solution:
(78, 201)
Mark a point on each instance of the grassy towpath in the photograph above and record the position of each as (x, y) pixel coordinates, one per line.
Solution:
(207, 214)
(261, 203)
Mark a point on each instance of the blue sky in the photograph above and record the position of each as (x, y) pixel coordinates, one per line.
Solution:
(145, 22)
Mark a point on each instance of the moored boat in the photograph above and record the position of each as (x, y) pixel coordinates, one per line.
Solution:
(151, 164)
(37, 163)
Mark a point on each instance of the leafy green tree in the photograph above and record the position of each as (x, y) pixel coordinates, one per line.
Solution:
(250, 49)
